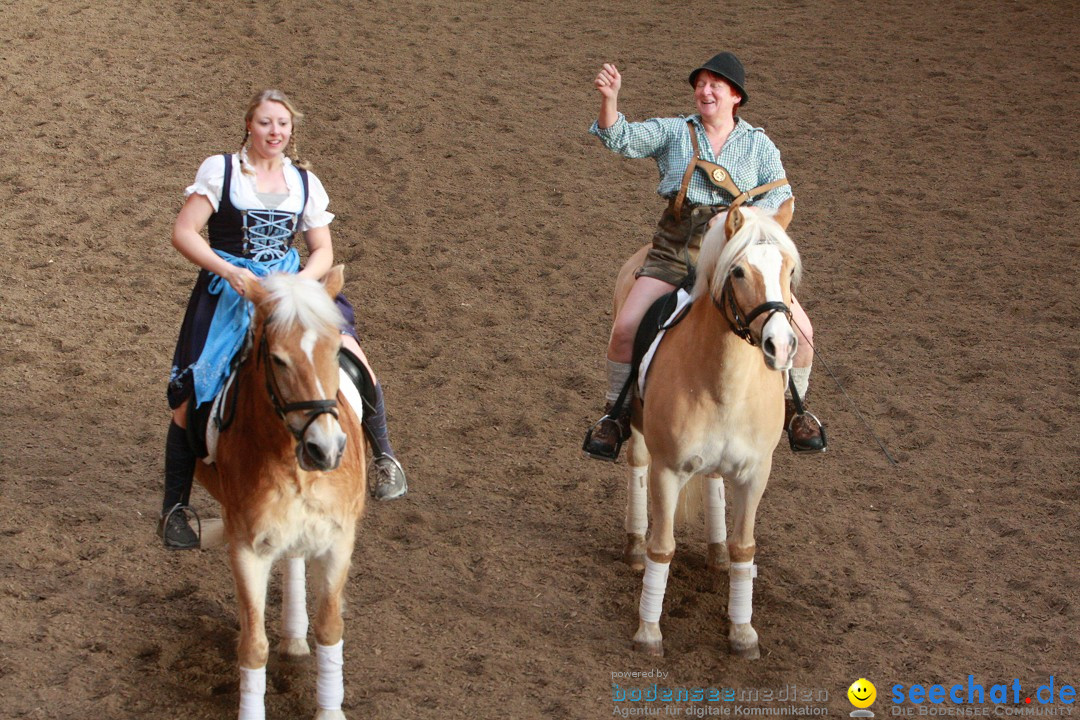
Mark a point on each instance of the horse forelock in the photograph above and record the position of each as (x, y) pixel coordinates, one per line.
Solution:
(717, 256)
(303, 302)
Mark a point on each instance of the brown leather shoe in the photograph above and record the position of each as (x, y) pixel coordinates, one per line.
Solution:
(606, 436)
(805, 432)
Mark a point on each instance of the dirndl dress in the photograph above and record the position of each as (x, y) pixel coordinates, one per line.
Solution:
(259, 239)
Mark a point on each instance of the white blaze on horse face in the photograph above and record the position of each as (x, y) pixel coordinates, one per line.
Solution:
(307, 344)
(326, 431)
(778, 340)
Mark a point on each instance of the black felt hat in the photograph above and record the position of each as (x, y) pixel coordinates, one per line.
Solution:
(727, 66)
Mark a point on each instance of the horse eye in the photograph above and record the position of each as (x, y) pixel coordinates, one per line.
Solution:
(279, 361)
(738, 273)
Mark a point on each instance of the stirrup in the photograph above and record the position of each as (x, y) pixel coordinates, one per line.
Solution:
(387, 467)
(607, 456)
(821, 431)
(184, 510)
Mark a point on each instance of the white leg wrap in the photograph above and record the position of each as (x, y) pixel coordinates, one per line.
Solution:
(715, 512)
(252, 691)
(801, 377)
(330, 685)
(617, 374)
(653, 587)
(741, 592)
(294, 619)
(637, 501)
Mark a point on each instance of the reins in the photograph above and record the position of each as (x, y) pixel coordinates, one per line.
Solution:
(820, 357)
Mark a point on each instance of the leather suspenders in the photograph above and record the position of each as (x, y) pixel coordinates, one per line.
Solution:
(718, 176)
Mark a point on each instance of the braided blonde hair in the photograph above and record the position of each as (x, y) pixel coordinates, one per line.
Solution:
(272, 95)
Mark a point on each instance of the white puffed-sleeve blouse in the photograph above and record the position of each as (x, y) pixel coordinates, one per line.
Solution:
(211, 176)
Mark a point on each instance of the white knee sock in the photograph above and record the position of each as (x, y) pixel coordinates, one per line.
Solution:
(801, 377)
(617, 374)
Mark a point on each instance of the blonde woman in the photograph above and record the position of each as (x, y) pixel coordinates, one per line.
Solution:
(253, 204)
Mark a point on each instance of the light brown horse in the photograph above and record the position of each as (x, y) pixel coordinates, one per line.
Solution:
(713, 408)
(289, 474)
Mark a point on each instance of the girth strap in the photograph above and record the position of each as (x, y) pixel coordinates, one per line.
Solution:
(718, 176)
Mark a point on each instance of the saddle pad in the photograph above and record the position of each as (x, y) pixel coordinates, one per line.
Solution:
(682, 302)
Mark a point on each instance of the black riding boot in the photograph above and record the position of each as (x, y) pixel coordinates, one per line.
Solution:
(387, 476)
(389, 482)
(173, 527)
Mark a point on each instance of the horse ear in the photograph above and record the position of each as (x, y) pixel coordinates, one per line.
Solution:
(784, 212)
(733, 223)
(253, 290)
(334, 280)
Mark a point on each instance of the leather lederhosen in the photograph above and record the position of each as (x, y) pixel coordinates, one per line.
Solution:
(678, 235)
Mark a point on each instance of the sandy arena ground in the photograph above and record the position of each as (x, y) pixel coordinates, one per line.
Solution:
(933, 148)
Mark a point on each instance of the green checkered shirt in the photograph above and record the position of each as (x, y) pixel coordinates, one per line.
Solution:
(748, 154)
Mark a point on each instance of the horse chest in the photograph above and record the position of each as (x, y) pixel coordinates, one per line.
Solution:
(728, 455)
(306, 522)
(723, 440)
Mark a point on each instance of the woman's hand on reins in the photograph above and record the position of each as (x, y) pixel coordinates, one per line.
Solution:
(236, 277)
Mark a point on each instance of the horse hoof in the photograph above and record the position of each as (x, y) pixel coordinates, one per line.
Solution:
(293, 647)
(634, 552)
(330, 715)
(752, 652)
(718, 557)
(636, 561)
(651, 647)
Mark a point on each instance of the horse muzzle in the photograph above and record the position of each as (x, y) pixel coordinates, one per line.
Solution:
(778, 343)
(320, 449)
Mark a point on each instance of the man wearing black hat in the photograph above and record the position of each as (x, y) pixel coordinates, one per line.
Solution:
(738, 164)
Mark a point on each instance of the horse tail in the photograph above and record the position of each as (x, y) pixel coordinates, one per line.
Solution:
(689, 505)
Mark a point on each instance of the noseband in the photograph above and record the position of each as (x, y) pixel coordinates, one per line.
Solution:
(740, 325)
(314, 408)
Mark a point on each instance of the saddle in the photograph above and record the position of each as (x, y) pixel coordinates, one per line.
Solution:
(663, 314)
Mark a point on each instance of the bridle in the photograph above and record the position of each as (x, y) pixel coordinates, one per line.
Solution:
(741, 325)
(314, 408)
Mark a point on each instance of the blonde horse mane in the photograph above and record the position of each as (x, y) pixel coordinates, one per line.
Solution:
(301, 301)
(718, 255)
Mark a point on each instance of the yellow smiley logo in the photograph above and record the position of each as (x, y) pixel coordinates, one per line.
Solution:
(862, 693)
(718, 175)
